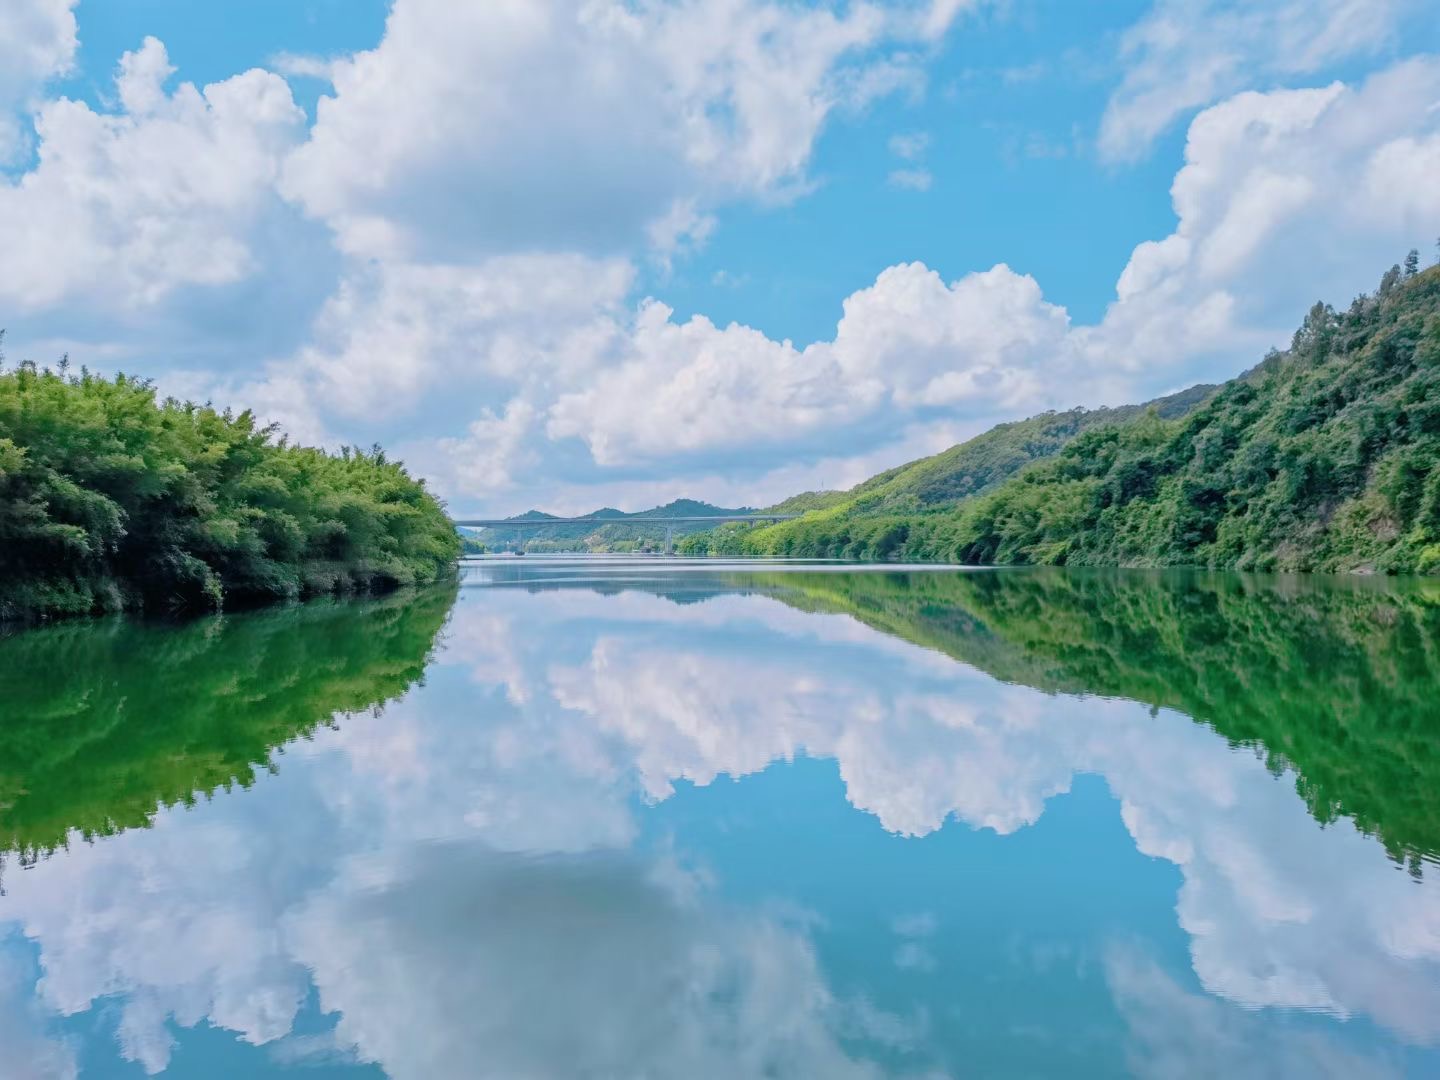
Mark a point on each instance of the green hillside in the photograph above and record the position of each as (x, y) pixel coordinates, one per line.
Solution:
(873, 519)
(1320, 458)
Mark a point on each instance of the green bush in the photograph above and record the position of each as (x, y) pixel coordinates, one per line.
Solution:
(110, 499)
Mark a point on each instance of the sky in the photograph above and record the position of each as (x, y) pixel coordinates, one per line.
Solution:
(578, 253)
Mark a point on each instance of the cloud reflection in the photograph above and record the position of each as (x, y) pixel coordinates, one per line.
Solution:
(460, 878)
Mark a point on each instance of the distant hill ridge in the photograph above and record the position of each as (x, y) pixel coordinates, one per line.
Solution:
(1322, 457)
(630, 531)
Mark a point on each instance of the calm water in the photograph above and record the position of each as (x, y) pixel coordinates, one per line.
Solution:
(639, 819)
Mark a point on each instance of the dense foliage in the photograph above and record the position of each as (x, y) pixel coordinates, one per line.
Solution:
(152, 714)
(890, 515)
(1331, 677)
(110, 499)
(1321, 458)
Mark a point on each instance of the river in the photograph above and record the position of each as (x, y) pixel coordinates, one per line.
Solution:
(653, 818)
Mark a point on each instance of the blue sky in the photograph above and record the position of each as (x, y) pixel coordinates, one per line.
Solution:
(567, 254)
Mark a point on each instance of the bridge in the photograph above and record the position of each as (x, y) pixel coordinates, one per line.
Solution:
(668, 520)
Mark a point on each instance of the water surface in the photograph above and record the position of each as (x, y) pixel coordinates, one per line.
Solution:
(641, 818)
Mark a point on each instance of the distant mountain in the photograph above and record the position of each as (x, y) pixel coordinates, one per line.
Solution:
(1322, 457)
(628, 532)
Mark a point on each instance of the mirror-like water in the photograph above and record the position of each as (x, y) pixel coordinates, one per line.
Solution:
(634, 818)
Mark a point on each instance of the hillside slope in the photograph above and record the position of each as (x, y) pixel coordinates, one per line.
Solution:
(872, 520)
(1322, 458)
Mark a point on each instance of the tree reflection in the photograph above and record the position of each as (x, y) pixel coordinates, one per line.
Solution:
(106, 722)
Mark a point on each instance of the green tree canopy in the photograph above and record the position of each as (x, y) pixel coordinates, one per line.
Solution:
(110, 500)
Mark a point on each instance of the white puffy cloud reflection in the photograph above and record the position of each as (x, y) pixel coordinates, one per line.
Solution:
(476, 963)
(467, 883)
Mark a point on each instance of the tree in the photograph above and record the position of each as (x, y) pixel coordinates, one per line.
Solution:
(110, 499)
(1412, 263)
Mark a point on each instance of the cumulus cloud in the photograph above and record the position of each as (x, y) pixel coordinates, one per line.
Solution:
(1185, 54)
(1284, 198)
(40, 41)
(909, 341)
(683, 387)
(591, 126)
(126, 207)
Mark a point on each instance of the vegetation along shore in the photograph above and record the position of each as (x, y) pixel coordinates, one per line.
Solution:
(1321, 458)
(111, 500)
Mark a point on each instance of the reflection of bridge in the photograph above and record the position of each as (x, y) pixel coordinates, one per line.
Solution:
(668, 520)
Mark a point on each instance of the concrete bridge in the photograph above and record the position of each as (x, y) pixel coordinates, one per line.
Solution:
(668, 520)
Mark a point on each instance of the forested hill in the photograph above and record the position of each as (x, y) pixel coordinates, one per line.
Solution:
(871, 520)
(112, 500)
(1323, 457)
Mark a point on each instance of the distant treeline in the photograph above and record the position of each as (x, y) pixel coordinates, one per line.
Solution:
(1323, 457)
(112, 500)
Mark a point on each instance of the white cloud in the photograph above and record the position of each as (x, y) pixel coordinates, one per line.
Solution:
(1285, 197)
(554, 382)
(910, 145)
(684, 387)
(910, 179)
(40, 41)
(126, 207)
(589, 490)
(395, 333)
(532, 125)
(1185, 54)
(909, 341)
(979, 339)
(493, 450)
